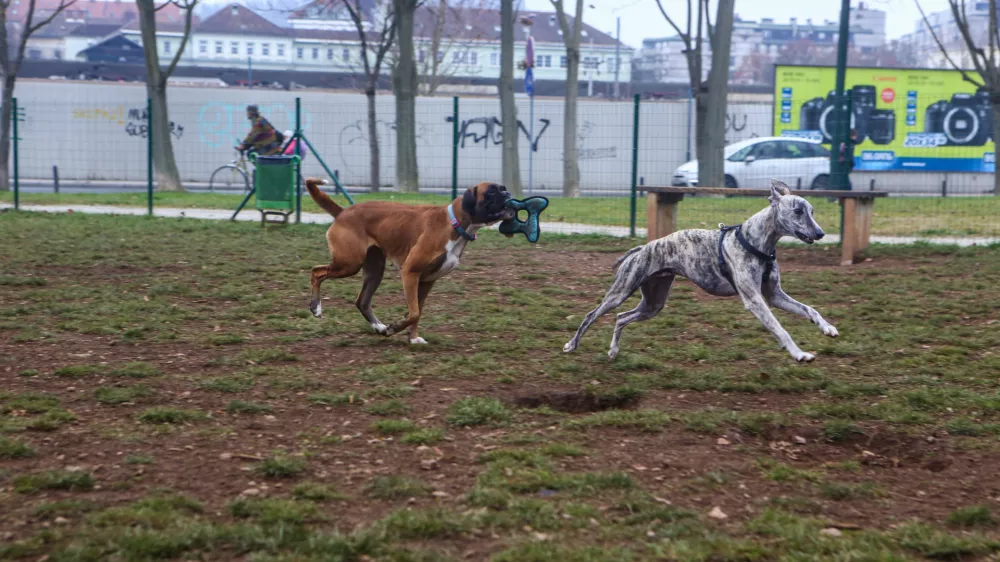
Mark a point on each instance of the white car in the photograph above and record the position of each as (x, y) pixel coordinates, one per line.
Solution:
(800, 163)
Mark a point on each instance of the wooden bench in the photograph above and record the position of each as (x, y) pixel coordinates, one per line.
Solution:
(662, 203)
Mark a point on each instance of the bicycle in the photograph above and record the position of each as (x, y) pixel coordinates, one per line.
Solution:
(235, 173)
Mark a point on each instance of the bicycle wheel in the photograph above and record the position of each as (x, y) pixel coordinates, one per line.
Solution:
(229, 178)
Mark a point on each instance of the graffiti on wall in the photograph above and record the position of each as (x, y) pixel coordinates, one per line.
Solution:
(488, 131)
(356, 135)
(585, 135)
(222, 124)
(134, 121)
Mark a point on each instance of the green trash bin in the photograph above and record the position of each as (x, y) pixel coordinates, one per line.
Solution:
(274, 180)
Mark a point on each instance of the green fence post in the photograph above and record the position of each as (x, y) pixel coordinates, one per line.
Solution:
(149, 156)
(17, 183)
(454, 147)
(298, 165)
(635, 163)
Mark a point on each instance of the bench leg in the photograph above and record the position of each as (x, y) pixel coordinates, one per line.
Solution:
(661, 214)
(857, 228)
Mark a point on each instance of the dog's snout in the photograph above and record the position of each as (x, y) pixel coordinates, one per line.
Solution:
(819, 235)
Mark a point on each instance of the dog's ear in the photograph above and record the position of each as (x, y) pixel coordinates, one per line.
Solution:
(778, 189)
(469, 201)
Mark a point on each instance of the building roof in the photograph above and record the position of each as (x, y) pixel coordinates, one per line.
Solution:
(476, 24)
(95, 29)
(324, 9)
(237, 19)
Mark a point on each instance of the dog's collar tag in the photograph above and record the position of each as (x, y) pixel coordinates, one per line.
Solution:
(458, 226)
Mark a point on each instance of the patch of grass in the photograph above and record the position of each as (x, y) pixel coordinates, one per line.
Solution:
(28, 373)
(227, 383)
(394, 427)
(423, 437)
(932, 543)
(137, 370)
(392, 407)
(408, 524)
(78, 371)
(840, 430)
(533, 479)
(244, 407)
(396, 487)
(13, 449)
(280, 466)
(477, 411)
(121, 394)
(272, 511)
(53, 480)
(265, 356)
(390, 392)
(138, 459)
(972, 516)
(11, 281)
(781, 472)
(65, 508)
(224, 339)
(314, 491)
(161, 415)
(343, 399)
(644, 420)
(549, 552)
(841, 491)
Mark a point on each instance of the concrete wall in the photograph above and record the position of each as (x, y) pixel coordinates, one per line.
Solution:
(97, 132)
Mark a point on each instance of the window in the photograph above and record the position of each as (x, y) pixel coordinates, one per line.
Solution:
(329, 54)
(265, 49)
(203, 46)
(814, 150)
(440, 56)
(563, 61)
(298, 53)
(281, 50)
(57, 54)
(346, 55)
(218, 47)
(249, 48)
(543, 61)
(768, 151)
(166, 47)
(420, 56)
(473, 58)
(741, 154)
(234, 48)
(315, 53)
(494, 59)
(458, 57)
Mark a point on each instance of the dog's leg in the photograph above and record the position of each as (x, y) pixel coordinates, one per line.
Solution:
(411, 288)
(374, 269)
(627, 281)
(654, 295)
(422, 291)
(780, 300)
(754, 302)
(335, 270)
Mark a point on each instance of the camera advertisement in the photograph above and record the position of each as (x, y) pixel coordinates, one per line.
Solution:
(901, 119)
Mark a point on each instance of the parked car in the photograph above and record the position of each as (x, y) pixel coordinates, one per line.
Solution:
(802, 163)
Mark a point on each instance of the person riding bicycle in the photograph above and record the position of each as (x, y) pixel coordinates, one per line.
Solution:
(263, 139)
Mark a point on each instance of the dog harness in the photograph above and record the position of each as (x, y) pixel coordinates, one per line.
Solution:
(724, 267)
(458, 226)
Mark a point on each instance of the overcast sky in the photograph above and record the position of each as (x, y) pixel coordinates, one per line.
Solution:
(641, 18)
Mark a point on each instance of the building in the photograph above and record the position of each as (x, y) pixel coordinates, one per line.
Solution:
(927, 50)
(663, 59)
(453, 45)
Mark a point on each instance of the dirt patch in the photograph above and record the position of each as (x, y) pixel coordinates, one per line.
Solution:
(577, 402)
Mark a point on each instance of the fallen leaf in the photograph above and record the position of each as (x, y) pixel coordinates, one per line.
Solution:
(717, 513)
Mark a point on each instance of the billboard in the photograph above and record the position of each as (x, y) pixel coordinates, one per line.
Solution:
(905, 119)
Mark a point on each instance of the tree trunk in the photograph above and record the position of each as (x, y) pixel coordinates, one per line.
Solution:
(5, 132)
(168, 177)
(508, 109)
(405, 86)
(571, 168)
(373, 154)
(711, 160)
(995, 107)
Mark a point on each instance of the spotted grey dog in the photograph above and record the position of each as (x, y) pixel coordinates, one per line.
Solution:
(731, 260)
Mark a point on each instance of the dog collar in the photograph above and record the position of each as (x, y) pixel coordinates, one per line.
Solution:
(768, 259)
(458, 226)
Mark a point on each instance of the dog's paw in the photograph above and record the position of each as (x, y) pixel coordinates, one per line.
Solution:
(380, 328)
(317, 309)
(418, 341)
(568, 347)
(612, 353)
(803, 357)
(829, 330)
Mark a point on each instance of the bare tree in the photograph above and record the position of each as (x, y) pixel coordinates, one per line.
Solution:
(374, 48)
(168, 177)
(571, 39)
(508, 109)
(448, 53)
(405, 87)
(10, 66)
(983, 48)
(710, 95)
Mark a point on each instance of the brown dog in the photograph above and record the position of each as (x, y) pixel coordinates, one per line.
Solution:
(425, 241)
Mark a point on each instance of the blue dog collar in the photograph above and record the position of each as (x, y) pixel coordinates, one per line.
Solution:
(458, 226)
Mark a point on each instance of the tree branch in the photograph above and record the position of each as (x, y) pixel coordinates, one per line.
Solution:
(30, 29)
(685, 37)
(189, 13)
(944, 51)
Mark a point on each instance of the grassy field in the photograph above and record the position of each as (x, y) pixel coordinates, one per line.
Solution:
(165, 395)
(895, 216)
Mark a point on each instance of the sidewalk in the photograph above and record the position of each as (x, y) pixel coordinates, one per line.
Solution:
(552, 227)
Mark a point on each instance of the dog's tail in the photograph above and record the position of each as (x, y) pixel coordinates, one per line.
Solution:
(322, 199)
(627, 255)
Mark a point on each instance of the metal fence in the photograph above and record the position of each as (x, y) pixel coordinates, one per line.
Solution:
(93, 138)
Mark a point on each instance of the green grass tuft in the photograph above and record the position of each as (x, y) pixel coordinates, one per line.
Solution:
(478, 411)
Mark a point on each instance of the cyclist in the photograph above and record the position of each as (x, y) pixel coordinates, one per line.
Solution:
(263, 139)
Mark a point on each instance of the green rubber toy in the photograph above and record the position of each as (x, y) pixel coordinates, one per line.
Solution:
(530, 228)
